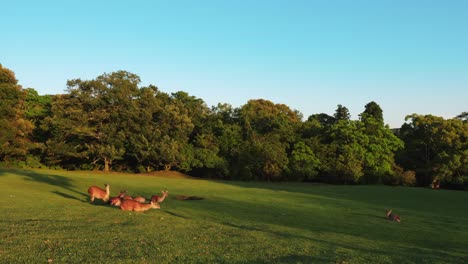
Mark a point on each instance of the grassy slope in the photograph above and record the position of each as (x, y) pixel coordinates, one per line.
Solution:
(46, 215)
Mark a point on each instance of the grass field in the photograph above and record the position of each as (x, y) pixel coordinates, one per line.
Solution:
(45, 216)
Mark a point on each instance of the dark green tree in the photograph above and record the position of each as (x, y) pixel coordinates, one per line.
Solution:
(37, 109)
(463, 117)
(341, 113)
(373, 110)
(435, 148)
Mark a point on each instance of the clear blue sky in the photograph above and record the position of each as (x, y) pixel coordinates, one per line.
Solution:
(409, 56)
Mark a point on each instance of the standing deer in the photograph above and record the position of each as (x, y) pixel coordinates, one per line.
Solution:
(159, 199)
(96, 192)
(392, 217)
(131, 205)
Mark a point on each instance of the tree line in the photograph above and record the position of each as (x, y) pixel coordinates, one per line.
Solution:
(112, 123)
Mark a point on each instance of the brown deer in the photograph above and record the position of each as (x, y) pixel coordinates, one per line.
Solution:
(131, 205)
(140, 199)
(115, 201)
(96, 192)
(158, 198)
(392, 217)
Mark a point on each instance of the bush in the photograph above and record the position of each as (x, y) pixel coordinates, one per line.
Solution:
(408, 178)
(400, 177)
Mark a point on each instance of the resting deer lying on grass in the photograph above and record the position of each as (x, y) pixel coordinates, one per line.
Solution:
(131, 205)
(140, 199)
(96, 192)
(393, 217)
(159, 199)
(115, 201)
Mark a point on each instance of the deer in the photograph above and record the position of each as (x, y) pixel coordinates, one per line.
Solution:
(115, 201)
(392, 217)
(131, 205)
(96, 192)
(140, 199)
(158, 198)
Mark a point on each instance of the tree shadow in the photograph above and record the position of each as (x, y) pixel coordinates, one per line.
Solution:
(371, 216)
(297, 259)
(371, 229)
(177, 215)
(50, 179)
(64, 195)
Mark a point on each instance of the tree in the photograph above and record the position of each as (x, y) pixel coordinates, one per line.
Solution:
(342, 158)
(373, 110)
(341, 113)
(435, 148)
(269, 130)
(463, 117)
(303, 162)
(323, 119)
(37, 109)
(381, 146)
(145, 133)
(15, 129)
(91, 122)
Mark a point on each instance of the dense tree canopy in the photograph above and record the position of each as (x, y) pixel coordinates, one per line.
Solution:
(437, 149)
(112, 123)
(15, 128)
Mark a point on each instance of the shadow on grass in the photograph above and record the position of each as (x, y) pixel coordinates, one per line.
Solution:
(295, 259)
(176, 215)
(335, 229)
(50, 179)
(68, 196)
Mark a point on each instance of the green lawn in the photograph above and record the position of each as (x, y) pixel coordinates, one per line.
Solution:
(46, 217)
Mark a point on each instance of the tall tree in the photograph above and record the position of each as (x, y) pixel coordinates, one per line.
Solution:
(373, 110)
(142, 150)
(15, 129)
(342, 158)
(270, 130)
(341, 113)
(92, 121)
(38, 108)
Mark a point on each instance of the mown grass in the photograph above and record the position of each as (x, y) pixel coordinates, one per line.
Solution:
(46, 217)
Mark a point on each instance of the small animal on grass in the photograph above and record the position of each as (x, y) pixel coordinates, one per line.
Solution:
(115, 201)
(131, 205)
(98, 193)
(159, 198)
(392, 217)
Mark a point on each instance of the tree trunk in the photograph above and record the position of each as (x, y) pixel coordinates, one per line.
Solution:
(106, 164)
